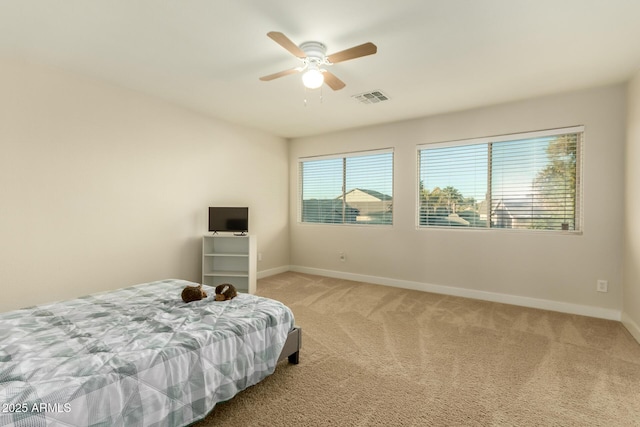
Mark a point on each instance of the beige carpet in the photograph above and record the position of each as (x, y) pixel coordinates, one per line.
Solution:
(380, 356)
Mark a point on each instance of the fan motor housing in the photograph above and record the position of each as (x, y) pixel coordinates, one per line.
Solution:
(315, 50)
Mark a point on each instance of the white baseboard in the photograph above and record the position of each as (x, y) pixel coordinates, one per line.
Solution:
(272, 271)
(543, 304)
(631, 326)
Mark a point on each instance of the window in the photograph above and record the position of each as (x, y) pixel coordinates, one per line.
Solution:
(526, 181)
(355, 188)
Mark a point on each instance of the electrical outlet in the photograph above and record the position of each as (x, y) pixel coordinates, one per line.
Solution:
(342, 257)
(259, 256)
(602, 286)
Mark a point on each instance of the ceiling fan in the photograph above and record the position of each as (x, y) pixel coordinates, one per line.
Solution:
(313, 56)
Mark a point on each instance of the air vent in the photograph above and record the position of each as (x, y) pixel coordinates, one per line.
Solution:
(371, 97)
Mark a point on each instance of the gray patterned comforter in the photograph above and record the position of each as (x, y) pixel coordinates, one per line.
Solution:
(137, 356)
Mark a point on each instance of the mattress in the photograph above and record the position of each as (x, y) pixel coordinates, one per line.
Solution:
(136, 356)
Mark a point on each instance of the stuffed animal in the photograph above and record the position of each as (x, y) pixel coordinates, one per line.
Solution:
(225, 292)
(193, 293)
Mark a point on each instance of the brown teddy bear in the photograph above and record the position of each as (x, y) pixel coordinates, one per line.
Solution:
(225, 292)
(193, 293)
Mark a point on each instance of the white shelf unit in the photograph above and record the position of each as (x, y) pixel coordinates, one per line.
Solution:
(230, 259)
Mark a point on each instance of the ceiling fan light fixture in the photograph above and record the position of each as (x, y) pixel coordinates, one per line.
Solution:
(312, 78)
(313, 56)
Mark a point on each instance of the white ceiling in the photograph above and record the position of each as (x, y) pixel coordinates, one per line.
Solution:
(434, 56)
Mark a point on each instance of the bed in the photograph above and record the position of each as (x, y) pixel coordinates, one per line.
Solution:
(137, 356)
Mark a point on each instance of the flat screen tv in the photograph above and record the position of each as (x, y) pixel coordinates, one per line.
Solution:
(229, 219)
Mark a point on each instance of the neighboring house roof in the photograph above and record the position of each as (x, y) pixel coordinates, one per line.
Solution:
(502, 207)
(515, 207)
(455, 219)
(518, 207)
(364, 195)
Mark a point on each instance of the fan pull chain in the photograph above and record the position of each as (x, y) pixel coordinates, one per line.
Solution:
(305, 100)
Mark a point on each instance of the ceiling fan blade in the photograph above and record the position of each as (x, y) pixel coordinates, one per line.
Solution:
(352, 53)
(284, 41)
(280, 74)
(332, 81)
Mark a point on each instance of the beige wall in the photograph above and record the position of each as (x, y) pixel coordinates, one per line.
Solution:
(542, 270)
(101, 187)
(631, 310)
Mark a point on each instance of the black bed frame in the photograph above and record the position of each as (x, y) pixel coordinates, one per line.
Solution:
(291, 349)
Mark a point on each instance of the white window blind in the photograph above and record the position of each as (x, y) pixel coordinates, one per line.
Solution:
(354, 188)
(527, 181)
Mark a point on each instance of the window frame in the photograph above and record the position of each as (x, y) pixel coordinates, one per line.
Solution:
(488, 140)
(343, 156)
